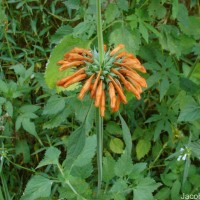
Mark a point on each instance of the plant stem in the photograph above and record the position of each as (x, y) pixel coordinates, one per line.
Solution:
(99, 32)
(99, 129)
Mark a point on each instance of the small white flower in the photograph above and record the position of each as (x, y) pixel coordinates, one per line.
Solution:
(179, 158)
(184, 157)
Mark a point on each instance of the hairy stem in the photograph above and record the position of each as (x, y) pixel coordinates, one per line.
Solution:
(99, 129)
(99, 32)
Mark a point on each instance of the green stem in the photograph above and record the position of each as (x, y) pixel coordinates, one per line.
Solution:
(99, 127)
(99, 32)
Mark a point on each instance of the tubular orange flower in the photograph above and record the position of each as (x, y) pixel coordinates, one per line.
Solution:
(99, 94)
(118, 71)
(85, 87)
(112, 95)
(102, 104)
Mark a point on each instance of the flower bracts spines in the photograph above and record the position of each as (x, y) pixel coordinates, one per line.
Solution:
(118, 71)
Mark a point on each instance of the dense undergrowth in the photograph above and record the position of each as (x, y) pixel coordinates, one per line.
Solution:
(39, 128)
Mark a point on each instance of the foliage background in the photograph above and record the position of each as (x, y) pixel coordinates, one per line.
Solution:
(39, 128)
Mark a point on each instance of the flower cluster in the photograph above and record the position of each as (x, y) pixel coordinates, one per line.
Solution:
(117, 72)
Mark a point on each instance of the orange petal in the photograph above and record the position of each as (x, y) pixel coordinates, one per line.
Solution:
(116, 49)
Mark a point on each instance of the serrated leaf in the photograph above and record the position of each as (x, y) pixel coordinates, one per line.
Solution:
(142, 148)
(144, 32)
(123, 165)
(131, 39)
(137, 169)
(3, 87)
(164, 86)
(29, 108)
(175, 191)
(52, 74)
(111, 13)
(23, 148)
(113, 128)
(116, 145)
(60, 33)
(9, 108)
(190, 112)
(51, 157)
(55, 121)
(29, 127)
(126, 135)
(145, 188)
(54, 105)
(37, 187)
(108, 166)
(87, 153)
(76, 143)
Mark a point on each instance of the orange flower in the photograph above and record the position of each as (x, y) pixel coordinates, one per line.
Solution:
(106, 80)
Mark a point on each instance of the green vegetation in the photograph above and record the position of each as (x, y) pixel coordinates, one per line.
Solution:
(48, 139)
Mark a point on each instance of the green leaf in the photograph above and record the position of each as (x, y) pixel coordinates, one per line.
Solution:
(111, 13)
(87, 153)
(137, 170)
(142, 148)
(3, 87)
(156, 9)
(57, 120)
(29, 127)
(76, 143)
(60, 33)
(116, 145)
(51, 157)
(126, 135)
(52, 74)
(123, 166)
(145, 188)
(37, 187)
(175, 191)
(54, 105)
(108, 166)
(122, 4)
(23, 148)
(144, 32)
(131, 39)
(113, 128)
(163, 193)
(29, 108)
(164, 86)
(190, 112)
(9, 108)
(158, 129)
(175, 8)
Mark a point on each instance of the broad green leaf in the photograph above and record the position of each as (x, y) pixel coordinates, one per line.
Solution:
(144, 189)
(52, 74)
(116, 145)
(158, 129)
(175, 191)
(29, 127)
(54, 105)
(83, 171)
(113, 128)
(137, 170)
(37, 187)
(142, 148)
(122, 35)
(126, 135)
(108, 166)
(76, 143)
(57, 120)
(60, 33)
(111, 13)
(87, 153)
(29, 108)
(122, 4)
(163, 193)
(118, 187)
(156, 9)
(51, 157)
(123, 166)
(190, 112)
(23, 148)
